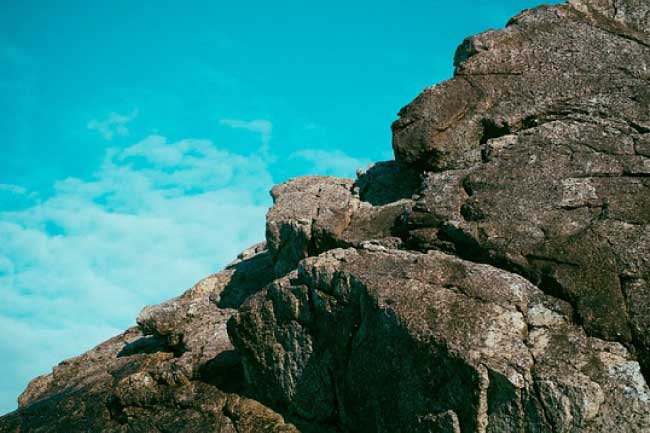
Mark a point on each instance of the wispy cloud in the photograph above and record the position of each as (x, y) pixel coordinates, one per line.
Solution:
(330, 162)
(15, 196)
(77, 267)
(114, 124)
(13, 189)
(260, 126)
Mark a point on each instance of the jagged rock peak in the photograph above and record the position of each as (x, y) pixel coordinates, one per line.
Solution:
(584, 56)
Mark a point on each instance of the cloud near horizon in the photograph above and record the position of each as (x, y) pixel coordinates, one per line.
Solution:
(76, 268)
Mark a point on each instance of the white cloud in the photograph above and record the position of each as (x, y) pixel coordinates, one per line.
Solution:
(330, 162)
(114, 124)
(260, 126)
(77, 267)
(12, 189)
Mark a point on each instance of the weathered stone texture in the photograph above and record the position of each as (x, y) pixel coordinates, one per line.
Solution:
(354, 335)
(494, 278)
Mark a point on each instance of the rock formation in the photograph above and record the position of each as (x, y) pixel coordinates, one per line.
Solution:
(494, 278)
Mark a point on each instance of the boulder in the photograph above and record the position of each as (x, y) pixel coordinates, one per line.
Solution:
(436, 342)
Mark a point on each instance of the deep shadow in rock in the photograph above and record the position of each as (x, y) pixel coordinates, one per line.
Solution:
(224, 371)
(148, 344)
(249, 277)
(324, 392)
(387, 182)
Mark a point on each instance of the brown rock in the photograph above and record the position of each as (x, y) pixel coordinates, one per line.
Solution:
(431, 339)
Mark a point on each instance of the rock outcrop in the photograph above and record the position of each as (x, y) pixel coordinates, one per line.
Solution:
(177, 371)
(494, 278)
(356, 334)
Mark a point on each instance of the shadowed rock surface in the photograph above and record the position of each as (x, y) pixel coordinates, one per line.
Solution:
(495, 278)
(356, 334)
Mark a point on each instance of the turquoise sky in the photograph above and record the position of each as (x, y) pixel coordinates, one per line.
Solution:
(139, 141)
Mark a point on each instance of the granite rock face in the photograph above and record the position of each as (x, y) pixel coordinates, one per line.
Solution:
(544, 170)
(494, 278)
(356, 334)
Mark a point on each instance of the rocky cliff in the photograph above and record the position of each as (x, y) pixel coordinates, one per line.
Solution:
(494, 278)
